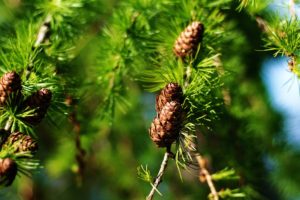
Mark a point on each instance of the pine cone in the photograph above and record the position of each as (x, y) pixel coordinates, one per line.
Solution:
(40, 101)
(171, 92)
(9, 83)
(21, 142)
(8, 171)
(189, 39)
(165, 127)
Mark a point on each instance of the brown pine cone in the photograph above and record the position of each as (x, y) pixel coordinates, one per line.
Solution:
(165, 127)
(8, 171)
(189, 39)
(21, 142)
(40, 101)
(9, 83)
(171, 92)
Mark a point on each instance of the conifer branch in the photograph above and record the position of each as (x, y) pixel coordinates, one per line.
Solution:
(160, 174)
(267, 29)
(29, 48)
(205, 176)
(42, 36)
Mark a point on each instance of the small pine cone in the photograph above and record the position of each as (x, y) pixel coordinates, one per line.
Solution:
(171, 92)
(9, 83)
(189, 39)
(40, 101)
(28, 144)
(8, 171)
(165, 127)
(22, 142)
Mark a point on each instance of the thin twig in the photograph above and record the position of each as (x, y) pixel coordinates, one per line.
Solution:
(8, 124)
(292, 9)
(80, 154)
(188, 74)
(292, 64)
(160, 174)
(44, 31)
(205, 176)
(262, 24)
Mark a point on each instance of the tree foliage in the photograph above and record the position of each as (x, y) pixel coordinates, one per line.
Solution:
(103, 61)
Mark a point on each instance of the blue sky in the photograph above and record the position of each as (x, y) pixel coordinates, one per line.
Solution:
(284, 91)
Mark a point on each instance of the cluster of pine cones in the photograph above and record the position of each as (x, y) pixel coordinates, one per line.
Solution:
(166, 125)
(17, 142)
(10, 89)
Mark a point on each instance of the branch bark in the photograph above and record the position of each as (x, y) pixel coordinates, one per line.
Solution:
(160, 174)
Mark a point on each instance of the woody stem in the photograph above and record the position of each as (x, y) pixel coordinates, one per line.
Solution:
(160, 174)
(206, 175)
